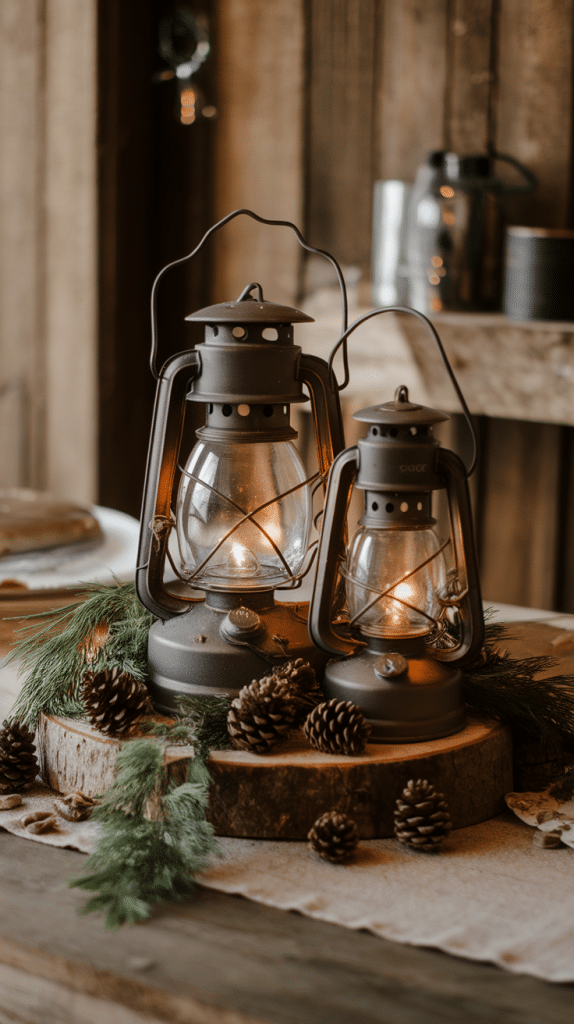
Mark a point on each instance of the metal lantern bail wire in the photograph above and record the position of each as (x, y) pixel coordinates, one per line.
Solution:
(413, 618)
(239, 507)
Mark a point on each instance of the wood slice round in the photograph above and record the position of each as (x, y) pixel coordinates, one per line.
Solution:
(279, 795)
(72, 755)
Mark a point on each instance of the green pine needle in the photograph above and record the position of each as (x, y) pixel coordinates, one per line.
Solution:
(139, 770)
(51, 652)
(134, 866)
(208, 717)
(202, 724)
(519, 690)
(155, 837)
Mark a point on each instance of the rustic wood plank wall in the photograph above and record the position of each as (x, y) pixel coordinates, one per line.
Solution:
(259, 150)
(340, 126)
(48, 238)
(21, 74)
(533, 104)
(410, 87)
(69, 205)
(99, 188)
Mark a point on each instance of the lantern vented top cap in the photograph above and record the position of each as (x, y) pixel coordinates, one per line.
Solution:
(249, 309)
(400, 411)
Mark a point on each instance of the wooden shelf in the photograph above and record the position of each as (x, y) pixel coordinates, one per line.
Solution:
(497, 321)
(507, 369)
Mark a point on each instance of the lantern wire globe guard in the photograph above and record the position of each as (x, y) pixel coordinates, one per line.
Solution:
(238, 507)
(408, 593)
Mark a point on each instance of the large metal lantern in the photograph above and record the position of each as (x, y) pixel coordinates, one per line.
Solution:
(414, 606)
(234, 516)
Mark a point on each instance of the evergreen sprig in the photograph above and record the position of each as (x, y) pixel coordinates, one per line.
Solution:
(202, 723)
(208, 715)
(519, 690)
(155, 837)
(54, 650)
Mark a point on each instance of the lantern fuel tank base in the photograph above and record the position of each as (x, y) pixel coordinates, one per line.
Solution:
(405, 700)
(217, 650)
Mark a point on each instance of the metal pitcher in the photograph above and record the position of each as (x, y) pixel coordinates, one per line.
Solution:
(454, 233)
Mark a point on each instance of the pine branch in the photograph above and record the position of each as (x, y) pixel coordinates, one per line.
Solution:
(519, 690)
(511, 690)
(139, 769)
(155, 837)
(202, 724)
(208, 719)
(56, 655)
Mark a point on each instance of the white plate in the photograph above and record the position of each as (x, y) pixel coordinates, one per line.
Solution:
(115, 557)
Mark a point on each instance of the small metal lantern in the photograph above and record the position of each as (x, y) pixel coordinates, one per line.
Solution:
(412, 618)
(243, 507)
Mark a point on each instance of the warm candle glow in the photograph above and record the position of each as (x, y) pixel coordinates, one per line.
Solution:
(242, 562)
(379, 605)
(243, 514)
(404, 592)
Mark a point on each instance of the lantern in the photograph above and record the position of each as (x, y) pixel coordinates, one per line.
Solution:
(415, 612)
(239, 506)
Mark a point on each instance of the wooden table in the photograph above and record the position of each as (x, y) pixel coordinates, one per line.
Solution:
(219, 959)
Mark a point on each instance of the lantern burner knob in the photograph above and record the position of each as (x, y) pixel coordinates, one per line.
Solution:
(240, 624)
(391, 665)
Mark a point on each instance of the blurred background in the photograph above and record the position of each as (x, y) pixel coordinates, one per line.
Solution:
(129, 126)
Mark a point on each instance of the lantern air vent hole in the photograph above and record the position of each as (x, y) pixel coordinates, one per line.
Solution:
(404, 506)
(270, 333)
(374, 431)
(389, 507)
(239, 332)
(226, 410)
(211, 407)
(414, 431)
(215, 331)
(267, 410)
(419, 506)
(243, 410)
(375, 506)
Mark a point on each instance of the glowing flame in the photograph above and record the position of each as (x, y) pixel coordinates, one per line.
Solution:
(396, 614)
(242, 561)
(404, 592)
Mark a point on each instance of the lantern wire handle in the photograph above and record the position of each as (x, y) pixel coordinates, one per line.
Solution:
(261, 220)
(413, 312)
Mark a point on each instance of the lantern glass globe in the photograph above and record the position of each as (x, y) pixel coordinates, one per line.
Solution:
(393, 580)
(235, 531)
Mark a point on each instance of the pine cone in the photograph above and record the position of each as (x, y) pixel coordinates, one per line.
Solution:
(261, 715)
(18, 761)
(334, 837)
(114, 700)
(304, 690)
(422, 817)
(337, 727)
